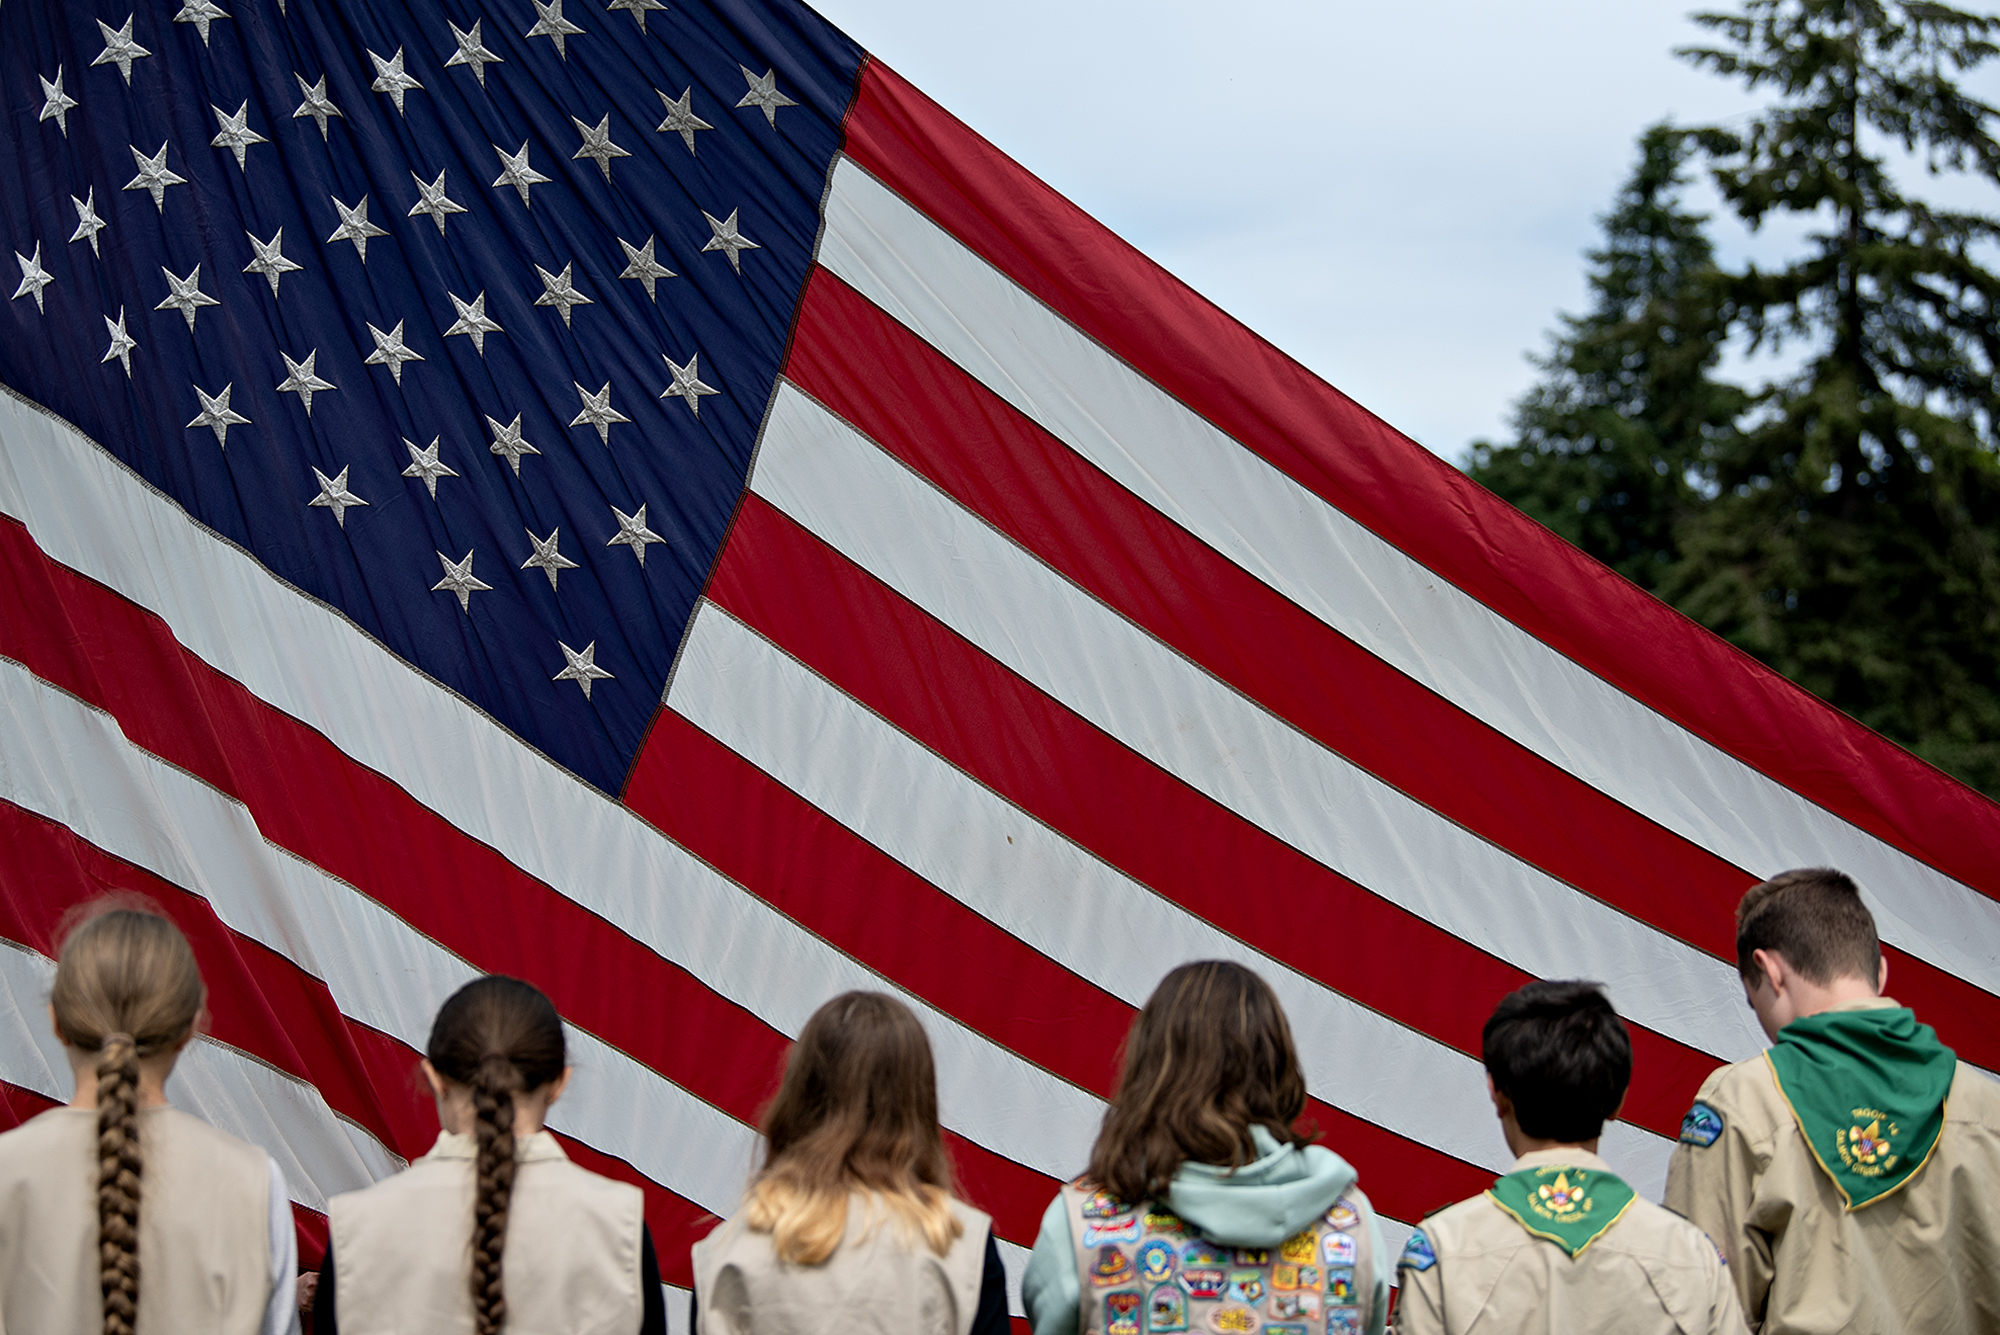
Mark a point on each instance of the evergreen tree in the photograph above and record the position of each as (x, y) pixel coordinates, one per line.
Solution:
(1854, 542)
(1614, 447)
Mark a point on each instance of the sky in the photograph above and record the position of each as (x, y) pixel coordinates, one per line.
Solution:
(1398, 195)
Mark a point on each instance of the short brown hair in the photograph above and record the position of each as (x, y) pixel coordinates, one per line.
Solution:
(1209, 1057)
(1815, 919)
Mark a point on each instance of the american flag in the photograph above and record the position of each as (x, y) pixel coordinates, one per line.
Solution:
(637, 497)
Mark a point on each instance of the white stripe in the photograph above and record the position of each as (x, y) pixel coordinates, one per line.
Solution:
(88, 512)
(922, 543)
(320, 1153)
(1059, 899)
(1366, 588)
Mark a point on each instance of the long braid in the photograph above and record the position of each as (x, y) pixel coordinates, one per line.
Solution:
(118, 1167)
(493, 1108)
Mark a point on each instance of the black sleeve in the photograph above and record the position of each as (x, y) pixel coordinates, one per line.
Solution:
(653, 1303)
(323, 1320)
(991, 1317)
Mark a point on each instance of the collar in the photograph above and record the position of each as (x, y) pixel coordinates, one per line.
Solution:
(541, 1145)
(1566, 1156)
(1865, 1004)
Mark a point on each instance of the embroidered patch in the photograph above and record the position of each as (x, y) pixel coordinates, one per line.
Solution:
(1284, 1275)
(1166, 1310)
(1157, 1259)
(1701, 1126)
(1245, 1286)
(1204, 1281)
(1284, 1330)
(1340, 1287)
(1868, 1151)
(1343, 1321)
(1204, 1253)
(1113, 1267)
(1308, 1276)
(1343, 1214)
(1253, 1256)
(1103, 1205)
(1339, 1248)
(1233, 1319)
(1298, 1249)
(1417, 1253)
(1121, 1314)
(1294, 1306)
(1112, 1230)
(1164, 1221)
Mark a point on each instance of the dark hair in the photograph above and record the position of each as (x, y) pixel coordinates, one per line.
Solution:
(498, 1037)
(1209, 1057)
(1813, 917)
(1561, 1054)
(857, 1109)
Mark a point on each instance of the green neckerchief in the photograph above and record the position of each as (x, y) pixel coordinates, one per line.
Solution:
(1569, 1206)
(1867, 1088)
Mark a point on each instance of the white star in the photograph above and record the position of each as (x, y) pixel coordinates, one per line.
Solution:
(432, 199)
(122, 343)
(317, 104)
(201, 13)
(334, 495)
(119, 48)
(355, 227)
(459, 579)
(33, 277)
(300, 379)
(471, 51)
(390, 79)
(271, 261)
(638, 8)
(236, 133)
(597, 411)
(185, 294)
(546, 558)
(56, 103)
(473, 321)
(681, 118)
(516, 172)
(727, 239)
(640, 264)
(424, 464)
(390, 351)
(560, 292)
(154, 176)
(88, 224)
(550, 23)
(217, 415)
(597, 144)
(582, 668)
(764, 93)
(687, 382)
(507, 442)
(633, 533)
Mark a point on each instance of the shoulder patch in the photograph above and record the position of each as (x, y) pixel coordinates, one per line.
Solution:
(1701, 1126)
(1418, 1253)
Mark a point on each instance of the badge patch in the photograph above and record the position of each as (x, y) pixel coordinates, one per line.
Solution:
(1233, 1319)
(1866, 1149)
(1204, 1253)
(1342, 1215)
(1113, 1267)
(1701, 1126)
(1165, 1221)
(1103, 1205)
(1166, 1310)
(1157, 1259)
(1417, 1253)
(1308, 1276)
(1340, 1287)
(1339, 1248)
(1294, 1306)
(1343, 1321)
(1112, 1230)
(1253, 1256)
(1284, 1330)
(1284, 1275)
(1245, 1286)
(1204, 1281)
(1299, 1249)
(1121, 1314)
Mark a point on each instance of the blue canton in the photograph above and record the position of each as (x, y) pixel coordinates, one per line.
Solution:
(1417, 1253)
(1701, 1126)
(459, 317)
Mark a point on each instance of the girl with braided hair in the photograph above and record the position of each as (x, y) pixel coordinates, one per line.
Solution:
(495, 1228)
(119, 1212)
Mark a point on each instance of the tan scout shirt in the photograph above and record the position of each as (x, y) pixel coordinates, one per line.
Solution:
(402, 1250)
(1651, 1273)
(1924, 1260)
(204, 1235)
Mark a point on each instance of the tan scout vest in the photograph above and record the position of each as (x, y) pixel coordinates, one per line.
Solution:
(204, 1227)
(402, 1249)
(873, 1283)
(1145, 1270)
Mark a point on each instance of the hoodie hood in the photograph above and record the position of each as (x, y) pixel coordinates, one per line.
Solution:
(1266, 1200)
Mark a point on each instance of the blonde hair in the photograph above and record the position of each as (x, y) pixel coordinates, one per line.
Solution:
(856, 1111)
(127, 987)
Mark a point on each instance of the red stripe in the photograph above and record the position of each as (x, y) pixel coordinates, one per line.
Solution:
(925, 411)
(1419, 503)
(844, 888)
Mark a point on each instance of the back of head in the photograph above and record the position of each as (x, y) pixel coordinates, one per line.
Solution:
(857, 1109)
(126, 987)
(1209, 1057)
(1560, 1053)
(498, 1037)
(1815, 919)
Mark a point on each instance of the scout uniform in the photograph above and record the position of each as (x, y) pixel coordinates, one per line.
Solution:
(1560, 1244)
(1852, 1175)
(1146, 1270)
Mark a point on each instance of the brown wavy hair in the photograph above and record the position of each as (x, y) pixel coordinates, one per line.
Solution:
(127, 987)
(1209, 1057)
(498, 1037)
(856, 1111)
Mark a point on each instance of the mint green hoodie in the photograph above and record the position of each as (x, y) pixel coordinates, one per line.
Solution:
(1260, 1204)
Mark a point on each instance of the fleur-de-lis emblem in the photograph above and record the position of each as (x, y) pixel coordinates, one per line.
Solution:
(1560, 1195)
(1866, 1142)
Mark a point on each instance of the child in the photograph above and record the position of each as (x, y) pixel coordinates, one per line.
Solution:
(119, 1179)
(1560, 1244)
(550, 1246)
(1202, 1209)
(851, 1225)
